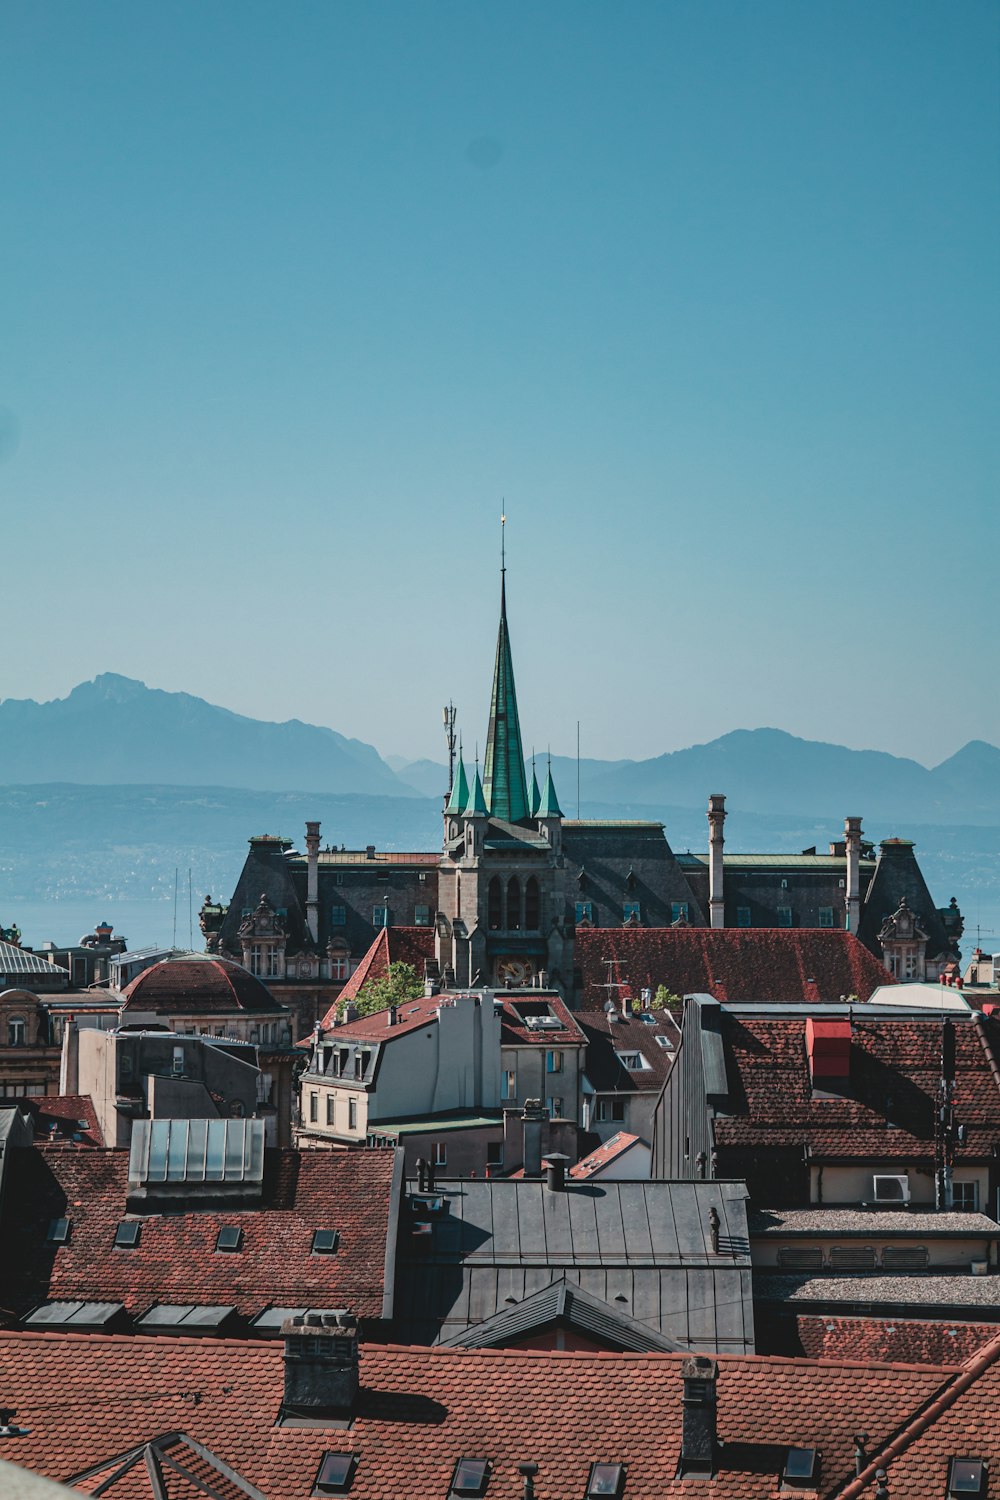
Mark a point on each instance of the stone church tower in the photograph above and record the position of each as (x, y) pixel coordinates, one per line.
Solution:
(502, 883)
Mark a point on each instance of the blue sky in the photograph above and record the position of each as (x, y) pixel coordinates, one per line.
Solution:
(293, 295)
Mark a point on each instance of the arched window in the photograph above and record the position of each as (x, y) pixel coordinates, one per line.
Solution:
(16, 1031)
(494, 906)
(513, 904)
(532, 905)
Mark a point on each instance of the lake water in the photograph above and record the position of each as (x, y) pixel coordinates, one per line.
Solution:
(144, 924)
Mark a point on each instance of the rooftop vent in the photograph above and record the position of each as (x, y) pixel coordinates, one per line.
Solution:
(230, 1237)
(325, 1241)
(127, 1234)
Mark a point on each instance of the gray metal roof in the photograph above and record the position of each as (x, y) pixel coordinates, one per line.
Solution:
(644, 1248)
(15, 960)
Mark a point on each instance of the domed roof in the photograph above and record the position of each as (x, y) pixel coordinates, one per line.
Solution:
(198, 984)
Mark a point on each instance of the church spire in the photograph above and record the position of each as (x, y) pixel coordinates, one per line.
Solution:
(504, 782)
(460, 790)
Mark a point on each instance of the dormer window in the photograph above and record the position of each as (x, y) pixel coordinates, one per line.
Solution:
(605, 1479)
(470, 1477)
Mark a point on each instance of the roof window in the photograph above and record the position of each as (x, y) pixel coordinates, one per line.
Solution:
(966, 1476)
(605, 1479)
(325, 1241)
(665, 1043)
(801, 1469)
(127, 1234)
(336, 1470)
(230, 1238)
(58, 1232)
(470, 1477)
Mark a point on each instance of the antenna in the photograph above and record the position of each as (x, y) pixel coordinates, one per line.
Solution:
(578, 770)
(190, 915)
(503, 523)
(448, 715)
(174, 944)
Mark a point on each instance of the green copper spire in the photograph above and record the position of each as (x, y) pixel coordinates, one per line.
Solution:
(535, 795)
(477, 802)
(549, 807)
(503, 769)
(460, 791)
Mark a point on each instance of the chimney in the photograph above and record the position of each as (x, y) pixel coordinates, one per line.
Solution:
(321, 1364)
(532, 1121)
(555, 1175)
(716, 891)
(392, 1015)
(312, 880)
(852, 895)
(699, 1439)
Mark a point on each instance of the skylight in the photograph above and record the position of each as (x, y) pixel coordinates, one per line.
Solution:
(127, 1234)
(194, 1151)
(325, 1241)
(58, 1232)
(230, 1238)
(801, 1468)
(336, 1470)
(605, 1479)
(470, 1476)
(966, 1476)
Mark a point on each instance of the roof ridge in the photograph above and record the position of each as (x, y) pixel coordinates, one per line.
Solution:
(925, 1417)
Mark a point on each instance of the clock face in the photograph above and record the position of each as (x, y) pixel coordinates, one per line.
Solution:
(514, 971)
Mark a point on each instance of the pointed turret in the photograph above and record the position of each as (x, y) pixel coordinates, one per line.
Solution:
(459, 798)
(548, 806)
(504, 784)
(476, 804)
(534, 796)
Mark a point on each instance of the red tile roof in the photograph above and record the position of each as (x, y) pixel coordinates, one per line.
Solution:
(615, 1146)
(176, 1259)
(899, 1340)
(87, 1399)
(753, 965)
(65, 1111)
(895, 1068)
(607, 1037)
(408, 945)
(198, 986)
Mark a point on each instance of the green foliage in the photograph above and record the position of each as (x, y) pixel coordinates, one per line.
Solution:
(402, 983)
(665, 999)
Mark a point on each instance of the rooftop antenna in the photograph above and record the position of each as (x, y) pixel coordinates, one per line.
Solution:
(578, 770)
(190, 914)
(503, 553)
(174, 943)
(448, 714)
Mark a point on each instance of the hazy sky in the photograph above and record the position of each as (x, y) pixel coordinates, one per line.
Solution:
(292, 294)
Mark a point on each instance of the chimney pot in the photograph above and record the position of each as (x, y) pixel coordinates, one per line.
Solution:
(556, 1163)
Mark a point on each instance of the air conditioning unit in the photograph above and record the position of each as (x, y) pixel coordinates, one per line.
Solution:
(892, 1190)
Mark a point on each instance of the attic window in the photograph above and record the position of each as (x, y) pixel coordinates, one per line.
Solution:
(336, 1470)
(470, 1477)
(966, 1476)
(325, 1241)
(801, 1469)
(665, 1043)
(58, 1232)
(605, 1479)
(127, 1234)
(230, 1238)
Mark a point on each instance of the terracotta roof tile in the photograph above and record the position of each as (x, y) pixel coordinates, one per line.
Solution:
(410, 945)
(753, 965)
(514, 1030)
(66, 1112)
(609, 1151)
(176, 1260)
(200, 985)
(909, 1341)
(87, 1399)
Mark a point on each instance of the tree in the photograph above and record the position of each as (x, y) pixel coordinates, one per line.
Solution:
(400, 984)
(665, 999)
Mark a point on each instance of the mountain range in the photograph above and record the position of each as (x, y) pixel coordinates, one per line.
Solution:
(116, 731)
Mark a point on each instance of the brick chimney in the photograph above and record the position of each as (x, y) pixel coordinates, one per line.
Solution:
(716, 879)
(321, 1364)
(699, 1439)
(312, 880)
(852, 894)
